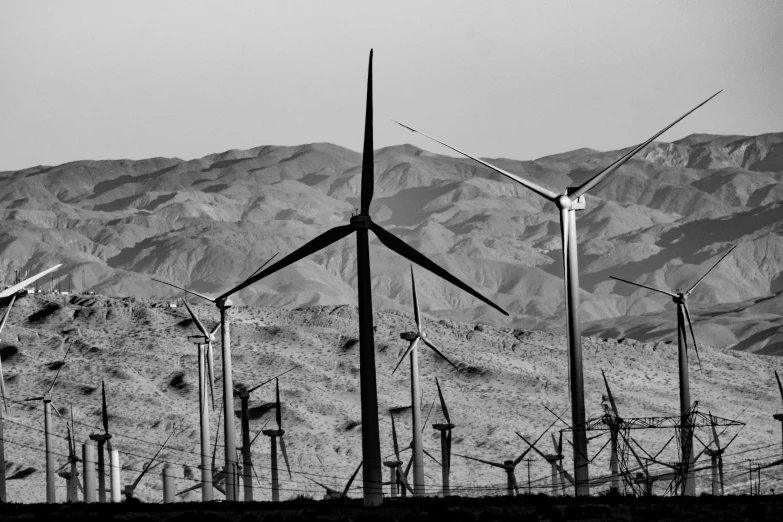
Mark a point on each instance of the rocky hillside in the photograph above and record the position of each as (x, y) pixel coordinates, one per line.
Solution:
(506, 378)
(208, 223)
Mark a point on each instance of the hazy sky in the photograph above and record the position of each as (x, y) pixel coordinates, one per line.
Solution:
(136, 79)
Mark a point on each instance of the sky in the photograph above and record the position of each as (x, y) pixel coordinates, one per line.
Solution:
(110, 80)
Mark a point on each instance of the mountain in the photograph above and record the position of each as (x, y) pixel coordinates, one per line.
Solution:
(208, 223)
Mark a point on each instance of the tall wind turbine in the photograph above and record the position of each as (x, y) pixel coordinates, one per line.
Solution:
(571, 200)
(103, 439)
(273, 436)
(47, 402)
(361, 224)
(445, 443)
(683, 314)
(224, 303)
(413, 338)
(247, 461)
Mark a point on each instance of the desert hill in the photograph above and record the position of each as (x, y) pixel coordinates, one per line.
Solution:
(507, 376)
(208, 223)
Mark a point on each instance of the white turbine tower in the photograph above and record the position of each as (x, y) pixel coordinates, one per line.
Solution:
(569, 201)
(413, 338)
(684, 315)
(224, 303)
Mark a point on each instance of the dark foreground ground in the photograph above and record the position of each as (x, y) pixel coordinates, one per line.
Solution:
(454, 509)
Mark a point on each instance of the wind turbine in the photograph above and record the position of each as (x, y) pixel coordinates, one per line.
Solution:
(17, 290)
(571, 200)
(102, 439)
(224, 303)
(332, 494)
(71, 476)
(683, 314)
(247, 462)
(558, 473)
(510, 465)
(130, 488)
(205, 376)
(273, 435)
(445, 443)
(716, 455)
(614, 462)
(361, 224)
(413, 338)
(776, 416)
(396, 477)
(47, 402)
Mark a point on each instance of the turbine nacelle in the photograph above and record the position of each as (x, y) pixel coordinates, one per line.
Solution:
(410, 336)
(680, 298)
(444, 427)
(274, 433)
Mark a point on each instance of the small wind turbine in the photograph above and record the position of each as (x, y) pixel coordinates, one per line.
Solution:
(102, 439)
(614, 462)
(776, 416)
(716, 455)
(224, 303)
(413, 338)
(130, 488)
(571, 200)
(397, 478)
(445, 442)
(273, 435)
(71, 476)
(361, 224)
(247, 462)
(510, 465)
(205, 376)
(48, 406)
(683, 314)
(332, 494)
(558, 473)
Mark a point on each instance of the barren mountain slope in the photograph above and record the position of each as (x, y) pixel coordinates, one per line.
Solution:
(208, 223)
(140, 349)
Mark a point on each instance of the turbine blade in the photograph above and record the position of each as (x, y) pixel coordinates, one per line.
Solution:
(433, 458)
(644, 286)
(408, 467)
(2, 387)
(185, 290)
(780, 386)
(693, 336)
(611, 397)
(638, 459)
(481, 460)
(424, 424)
(12, 290)
(350, 481)
(443, 402)
(394, 438)
(60, 368)
(278, 415)
(598, 178)
(320, 242)
(214, 330)
(663, 448)
(541, 191)
(150, 463)
(432, 347)
(532, 446)
(407, 351)
(285, 456)
(217, 433)
(368, 163)
(558, 417)
(394, 243)
(34, 399)
(416, 315)
(566, 474)
(200, 326)
(710, 270)
(7, 312)
(265, 263)
(105, 411)
(327, 488)
(254, 388)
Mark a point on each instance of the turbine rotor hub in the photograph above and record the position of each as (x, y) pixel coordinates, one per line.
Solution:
(361, 221)
(679, 298)
(564, 202)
